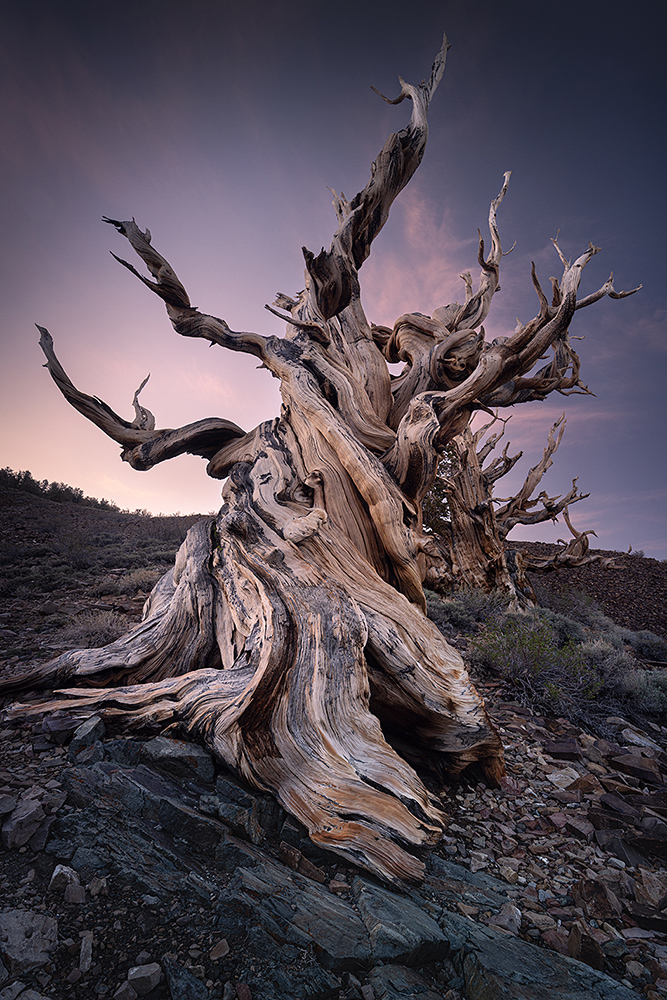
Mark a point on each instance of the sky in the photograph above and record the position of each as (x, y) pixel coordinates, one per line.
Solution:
(221, 126)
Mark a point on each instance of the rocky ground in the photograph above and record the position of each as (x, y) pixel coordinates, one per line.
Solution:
(135, 867)
(633, 591)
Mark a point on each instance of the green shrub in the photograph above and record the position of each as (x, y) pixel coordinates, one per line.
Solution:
(565, 629)
(645, 690)
(575, 605)
(538, 669)
(465, 610)
(139, 579)
(566, 659)
(644, 644)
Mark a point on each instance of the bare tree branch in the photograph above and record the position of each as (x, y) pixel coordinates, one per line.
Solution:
(143, 446)
(519, 508)
(333, 272)
(575, 552)
(186, 319)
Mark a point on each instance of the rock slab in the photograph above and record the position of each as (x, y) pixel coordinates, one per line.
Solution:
(26, 939)
(399, 930)
(496, 966)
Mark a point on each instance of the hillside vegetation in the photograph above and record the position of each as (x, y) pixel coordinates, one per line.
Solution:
(75, 572)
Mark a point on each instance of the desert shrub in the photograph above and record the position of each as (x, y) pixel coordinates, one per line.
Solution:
(524, 649)
(118, 557)
(106, 538)
(576, 605)
(644, 690)
(21, 580)
(565, 629)
(139, 579)
(606, 657)
(554, 663)
(93, 628)
(171, 529)
(465, 610)
(76, 549)
(644, 644)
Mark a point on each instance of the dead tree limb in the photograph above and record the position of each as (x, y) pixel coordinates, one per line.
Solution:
(290, 637)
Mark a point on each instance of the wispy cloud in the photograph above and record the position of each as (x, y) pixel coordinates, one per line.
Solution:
(421, 269)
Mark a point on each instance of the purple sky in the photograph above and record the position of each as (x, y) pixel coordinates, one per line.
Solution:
(220, 129)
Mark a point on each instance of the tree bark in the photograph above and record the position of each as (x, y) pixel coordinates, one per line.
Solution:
(468, 546)
(290, 637)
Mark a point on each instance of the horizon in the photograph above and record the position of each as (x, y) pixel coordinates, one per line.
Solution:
(109, 505)
(220, 130)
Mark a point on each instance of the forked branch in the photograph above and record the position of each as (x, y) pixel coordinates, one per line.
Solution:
(520, 509)
(143, 445)
(575, 552)
(333, 272)
(185, 318)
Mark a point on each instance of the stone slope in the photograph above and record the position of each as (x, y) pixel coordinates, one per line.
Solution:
(167, 861)
(171, 869)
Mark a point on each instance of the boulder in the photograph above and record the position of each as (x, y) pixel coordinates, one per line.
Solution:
(181, 982)
(295, 910)
(179, 758)
(27, 939)
(85, 736)
(399, 930)
(144, 978)
(23, 822)
(496, 966)
(395, 982)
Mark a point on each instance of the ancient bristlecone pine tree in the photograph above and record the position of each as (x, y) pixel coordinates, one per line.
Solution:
(290, 637)
(468, 546)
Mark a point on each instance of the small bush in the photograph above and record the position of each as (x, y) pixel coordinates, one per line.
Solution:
(646, 690)
(524, 650)
(577, 606)
(76, 550)
(139, 579)
(465, 610)
(91, 629)
(566, 659)
(644, 644)
(565, 629)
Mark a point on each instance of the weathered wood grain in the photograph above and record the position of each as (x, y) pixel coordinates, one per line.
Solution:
(290, 636)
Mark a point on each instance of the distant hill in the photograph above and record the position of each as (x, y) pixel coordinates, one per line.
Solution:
(58, 492)
(50, 530)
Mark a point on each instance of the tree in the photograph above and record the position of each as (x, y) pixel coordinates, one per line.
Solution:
(468, 547)
(291, 636)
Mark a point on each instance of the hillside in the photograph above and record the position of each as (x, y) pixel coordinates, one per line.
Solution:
(68, 570)
(173, 867)
(633, 592)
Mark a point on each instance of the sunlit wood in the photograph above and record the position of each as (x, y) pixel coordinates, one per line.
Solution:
(290, 637)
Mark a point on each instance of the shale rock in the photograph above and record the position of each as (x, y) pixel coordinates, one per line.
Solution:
(179, 759)
(26, 939)
(399, 930)
(182, 984)
(395, 982)
(497, 967)
(293, 909)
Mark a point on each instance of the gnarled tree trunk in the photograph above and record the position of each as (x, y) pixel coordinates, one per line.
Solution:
(291, 636)
(468, 547)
